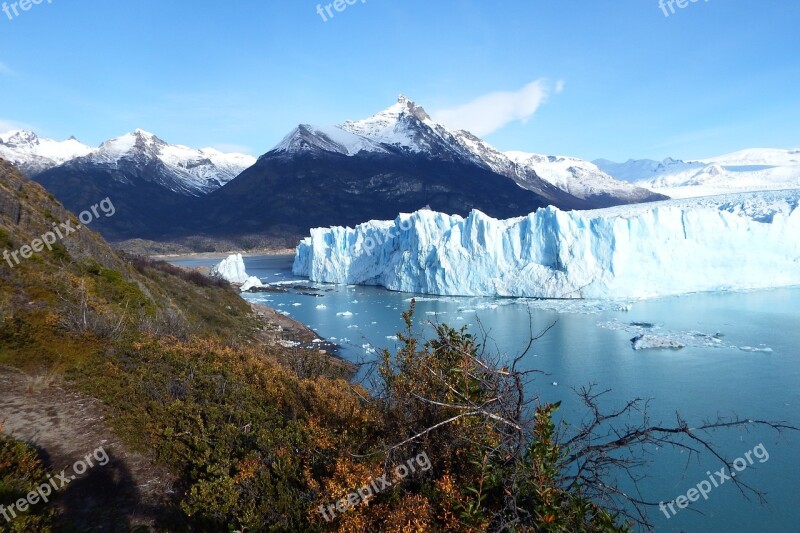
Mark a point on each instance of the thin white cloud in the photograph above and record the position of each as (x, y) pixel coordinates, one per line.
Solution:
(5, 69)
(490, 112)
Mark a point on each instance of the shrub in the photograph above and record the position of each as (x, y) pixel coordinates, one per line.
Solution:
(21, 471)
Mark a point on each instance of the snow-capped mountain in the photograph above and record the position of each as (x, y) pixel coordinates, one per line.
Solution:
(307, 138)
(181, 169)
(32, 155)
(154, 185)
(405, 128)
(580, 178)
(635, 170)
(758, 169)
(736, 241)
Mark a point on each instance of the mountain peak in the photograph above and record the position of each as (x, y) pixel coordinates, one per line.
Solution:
(19, 138)
(407, 104)
(394, 125)
(146, 137)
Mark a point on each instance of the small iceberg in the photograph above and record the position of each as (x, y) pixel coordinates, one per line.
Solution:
(251, 283)
(231, 269)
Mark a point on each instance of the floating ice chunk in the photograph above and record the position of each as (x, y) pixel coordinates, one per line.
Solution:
(250, 283)
(230, 269)
(654, 342)
(761, 349)
(344, 313)
(652, 336)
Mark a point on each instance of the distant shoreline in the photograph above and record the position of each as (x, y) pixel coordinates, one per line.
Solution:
(221, 255)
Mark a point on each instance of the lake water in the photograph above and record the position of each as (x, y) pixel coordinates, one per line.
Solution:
(742, 357)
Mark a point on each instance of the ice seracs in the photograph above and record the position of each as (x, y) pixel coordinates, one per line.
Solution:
(742, 241)
(231, 269)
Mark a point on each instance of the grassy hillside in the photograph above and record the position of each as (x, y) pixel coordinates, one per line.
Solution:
(255, 437)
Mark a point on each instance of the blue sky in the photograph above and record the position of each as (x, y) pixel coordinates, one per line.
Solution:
(589, 78)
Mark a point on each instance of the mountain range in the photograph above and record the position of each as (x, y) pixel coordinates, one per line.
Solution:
(755, 169)
(398, 160)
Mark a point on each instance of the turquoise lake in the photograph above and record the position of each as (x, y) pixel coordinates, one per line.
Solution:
(742, 357)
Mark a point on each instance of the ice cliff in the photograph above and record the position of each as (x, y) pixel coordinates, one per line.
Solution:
(231, 269)
(742, 241)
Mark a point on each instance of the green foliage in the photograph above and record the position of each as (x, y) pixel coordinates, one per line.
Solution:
(59, 253)
(5, 239)
(235, 428)
(465, 411)
(115, 288)
(49, 214)
(21, 471)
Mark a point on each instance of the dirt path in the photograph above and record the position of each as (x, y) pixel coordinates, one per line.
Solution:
(129, 490)
(65, 426)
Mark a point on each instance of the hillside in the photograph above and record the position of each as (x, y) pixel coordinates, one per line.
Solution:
(87, 335)
(206, 423)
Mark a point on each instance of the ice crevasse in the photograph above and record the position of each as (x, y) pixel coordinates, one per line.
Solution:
(730, 242)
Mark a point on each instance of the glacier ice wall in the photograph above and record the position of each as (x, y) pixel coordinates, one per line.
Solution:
(743, 241)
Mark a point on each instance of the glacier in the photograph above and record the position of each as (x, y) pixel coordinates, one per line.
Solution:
(728, 242)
